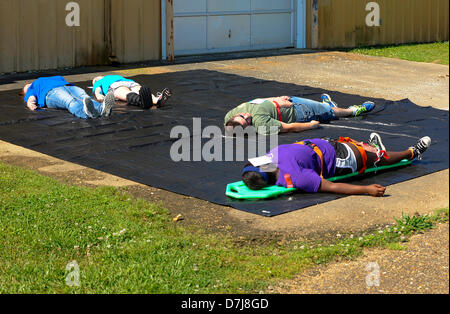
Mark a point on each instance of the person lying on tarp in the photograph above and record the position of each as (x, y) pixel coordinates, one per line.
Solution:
(307, 165)
(289, 114)
(129, 91)
(56, 93)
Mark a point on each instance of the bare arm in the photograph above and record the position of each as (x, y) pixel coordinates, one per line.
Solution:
(31, 103)
(375, 190)
(298, 126)
(98, 94)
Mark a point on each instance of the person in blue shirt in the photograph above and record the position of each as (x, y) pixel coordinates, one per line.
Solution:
(56, 93)
(129, 91)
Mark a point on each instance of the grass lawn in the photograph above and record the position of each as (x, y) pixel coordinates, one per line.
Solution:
(434, 52)
(126, 245)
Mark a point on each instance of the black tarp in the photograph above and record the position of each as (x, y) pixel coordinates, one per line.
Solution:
(135, 144)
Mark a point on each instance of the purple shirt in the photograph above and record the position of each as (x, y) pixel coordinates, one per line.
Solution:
(303, 164)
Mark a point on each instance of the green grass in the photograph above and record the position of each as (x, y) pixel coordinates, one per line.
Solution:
(128, 245)
(434, 52)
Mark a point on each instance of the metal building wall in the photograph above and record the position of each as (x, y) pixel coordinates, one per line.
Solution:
(34, 34)
(136, 30)
(341, 23)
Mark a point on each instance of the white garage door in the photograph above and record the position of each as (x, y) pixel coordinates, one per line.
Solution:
(205, 26)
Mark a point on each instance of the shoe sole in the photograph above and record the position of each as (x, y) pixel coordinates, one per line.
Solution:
(327, 99)
(146, 97)
(108, 104)
(89, 108)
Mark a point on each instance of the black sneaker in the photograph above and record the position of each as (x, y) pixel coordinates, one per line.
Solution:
(421, 146)
(108, 104)
(375, 141)
(89, 108)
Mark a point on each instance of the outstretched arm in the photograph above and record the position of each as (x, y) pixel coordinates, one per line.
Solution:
(298, 126)
(375, 190)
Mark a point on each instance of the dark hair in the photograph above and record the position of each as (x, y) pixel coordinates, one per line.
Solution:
(233, 123)
(255, 181)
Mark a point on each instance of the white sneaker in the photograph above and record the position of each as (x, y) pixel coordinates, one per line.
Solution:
(421, 146)
(375, 140)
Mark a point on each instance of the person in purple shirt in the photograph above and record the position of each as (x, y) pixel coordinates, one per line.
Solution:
(56, 93)
(307, 166)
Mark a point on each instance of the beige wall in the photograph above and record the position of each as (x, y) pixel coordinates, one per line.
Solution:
(34, 35)
(136, 30)
(342, 22)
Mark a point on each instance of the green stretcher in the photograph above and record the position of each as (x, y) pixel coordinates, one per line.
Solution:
(239, 190)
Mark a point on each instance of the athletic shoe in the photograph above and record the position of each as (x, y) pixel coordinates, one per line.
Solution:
(375, 140)
(421, 146)
(327, 100)
(146, 97)
(163, 97)
(89, 108)
(366, 107)
(108, 104)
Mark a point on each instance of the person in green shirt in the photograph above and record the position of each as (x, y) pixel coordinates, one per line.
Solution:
(289, 114)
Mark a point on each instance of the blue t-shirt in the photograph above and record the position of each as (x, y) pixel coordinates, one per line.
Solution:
(303, 164)
(105, 83)
(40, 88)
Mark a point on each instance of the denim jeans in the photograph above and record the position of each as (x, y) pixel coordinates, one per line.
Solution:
(69, 97)
(308, 110)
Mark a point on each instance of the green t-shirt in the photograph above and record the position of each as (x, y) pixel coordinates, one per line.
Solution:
(264, 115)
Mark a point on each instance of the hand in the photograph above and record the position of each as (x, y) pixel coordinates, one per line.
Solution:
(376, 190)
(32, 106)
(283, 101)
(314, 124)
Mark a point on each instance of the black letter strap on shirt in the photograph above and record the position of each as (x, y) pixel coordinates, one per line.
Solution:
(317, 151)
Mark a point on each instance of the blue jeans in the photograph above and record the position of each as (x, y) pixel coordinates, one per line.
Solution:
(308, 110)
(69, 97)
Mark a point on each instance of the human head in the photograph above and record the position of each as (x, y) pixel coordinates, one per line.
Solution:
(256, 178)
(24, 90)
(96, 79)
(243, 119)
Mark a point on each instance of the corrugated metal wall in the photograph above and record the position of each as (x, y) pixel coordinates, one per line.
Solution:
(136, 30)
(34, 34)
(342, 22)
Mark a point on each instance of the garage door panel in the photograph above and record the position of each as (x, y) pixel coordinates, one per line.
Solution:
(207, 26)
(271, 5)
(183, 6)
(228, 5)
(184, 28)
(228, 31)
(270, 29)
